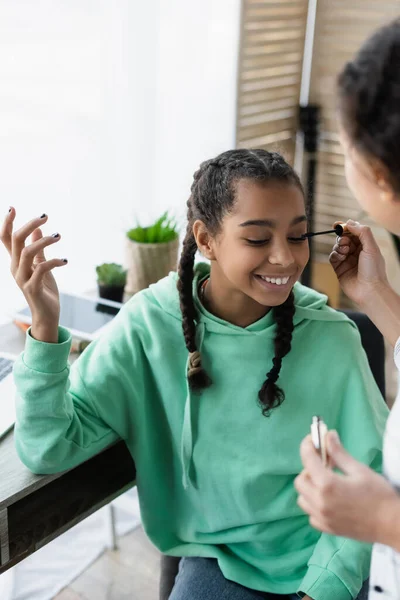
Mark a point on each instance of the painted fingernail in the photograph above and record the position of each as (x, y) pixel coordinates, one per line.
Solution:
(55, 235)
(10, 209)
(65, 260)
(43, 216)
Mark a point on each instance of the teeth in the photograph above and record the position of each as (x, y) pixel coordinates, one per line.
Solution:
(276, 280)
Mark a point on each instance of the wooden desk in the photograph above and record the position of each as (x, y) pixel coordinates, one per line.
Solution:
(35, 509)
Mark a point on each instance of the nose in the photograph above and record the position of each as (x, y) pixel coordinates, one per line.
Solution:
(280, 254)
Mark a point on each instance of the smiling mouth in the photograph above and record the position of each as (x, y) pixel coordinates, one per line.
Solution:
(274, 280)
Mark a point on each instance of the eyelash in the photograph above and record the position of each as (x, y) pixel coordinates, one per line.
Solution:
(293, 240)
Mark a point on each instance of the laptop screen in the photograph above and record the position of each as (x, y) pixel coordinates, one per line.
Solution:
(82, 314)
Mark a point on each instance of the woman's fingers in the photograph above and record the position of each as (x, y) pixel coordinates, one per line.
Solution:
(363, 235)
(353, 244)
(305, 504)
(345, 251)
(34, 283)
(18, 239)
(343, 241)
(29, 254)
(343, 263)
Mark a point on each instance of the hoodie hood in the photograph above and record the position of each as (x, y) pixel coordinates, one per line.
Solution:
(310, 305)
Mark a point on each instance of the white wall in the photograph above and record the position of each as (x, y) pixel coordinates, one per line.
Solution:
(196, 95)
(106, 110)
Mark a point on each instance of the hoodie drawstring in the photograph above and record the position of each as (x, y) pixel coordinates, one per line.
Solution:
(187, 429)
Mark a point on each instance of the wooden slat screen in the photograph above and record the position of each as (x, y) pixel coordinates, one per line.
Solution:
(269, 76)
(341, 27)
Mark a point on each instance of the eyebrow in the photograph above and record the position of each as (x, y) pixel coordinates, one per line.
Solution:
(271, 224)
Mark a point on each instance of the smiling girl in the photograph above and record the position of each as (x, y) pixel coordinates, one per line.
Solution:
(214, 417)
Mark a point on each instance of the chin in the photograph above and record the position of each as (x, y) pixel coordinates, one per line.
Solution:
(272, 299)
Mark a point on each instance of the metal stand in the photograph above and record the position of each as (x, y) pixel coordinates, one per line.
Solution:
(308, 124)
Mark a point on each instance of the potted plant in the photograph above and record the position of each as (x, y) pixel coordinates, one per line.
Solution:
(111, 280)
(151, 253)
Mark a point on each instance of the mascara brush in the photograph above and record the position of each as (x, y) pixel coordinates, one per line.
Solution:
(339, 229)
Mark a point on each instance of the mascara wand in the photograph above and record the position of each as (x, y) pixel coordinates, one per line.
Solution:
(339, 229)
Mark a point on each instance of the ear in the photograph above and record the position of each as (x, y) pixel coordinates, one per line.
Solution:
(381, 174)
(387, 193)
(204, 240)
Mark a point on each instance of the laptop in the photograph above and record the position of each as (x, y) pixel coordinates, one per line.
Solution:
(7, 393)
(85, 317)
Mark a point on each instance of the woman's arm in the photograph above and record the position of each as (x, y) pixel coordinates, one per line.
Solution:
(337, 567)
(383, 308)
(358, 503)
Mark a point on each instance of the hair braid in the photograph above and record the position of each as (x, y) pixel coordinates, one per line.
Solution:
(198, 378)
(271, 395)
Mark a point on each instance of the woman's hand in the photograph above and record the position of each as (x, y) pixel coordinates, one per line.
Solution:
(358, 504)
(32, 273)
(358, 263)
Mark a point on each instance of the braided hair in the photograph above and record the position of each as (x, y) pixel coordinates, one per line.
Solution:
(369, 99)
(213, 195)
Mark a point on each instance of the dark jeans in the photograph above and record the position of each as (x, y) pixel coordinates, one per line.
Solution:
(202, 579)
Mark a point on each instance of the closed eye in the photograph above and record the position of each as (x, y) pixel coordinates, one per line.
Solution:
(257, 242)
(294, 240)
(297, 239)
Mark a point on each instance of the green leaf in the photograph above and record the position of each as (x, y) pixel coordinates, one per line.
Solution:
(164, 230)
(111, 274)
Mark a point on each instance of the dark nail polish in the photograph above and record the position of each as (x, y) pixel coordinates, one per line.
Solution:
(65, 260)
(10, 209)
(43, 216)
(55, 235)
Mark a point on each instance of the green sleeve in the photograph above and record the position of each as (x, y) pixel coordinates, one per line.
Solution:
(65, 416)
(338, 567)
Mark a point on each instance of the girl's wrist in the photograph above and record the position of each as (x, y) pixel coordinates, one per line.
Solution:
(42, 332)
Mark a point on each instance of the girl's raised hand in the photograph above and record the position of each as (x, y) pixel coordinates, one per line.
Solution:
(33, 273)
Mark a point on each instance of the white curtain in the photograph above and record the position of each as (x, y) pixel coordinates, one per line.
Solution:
(106, 109)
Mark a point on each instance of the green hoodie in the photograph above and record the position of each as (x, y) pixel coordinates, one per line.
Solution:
(215, 477)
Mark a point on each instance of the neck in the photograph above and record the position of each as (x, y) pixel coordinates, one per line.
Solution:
(229, 304)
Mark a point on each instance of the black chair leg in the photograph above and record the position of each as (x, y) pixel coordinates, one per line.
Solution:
(169, 570)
